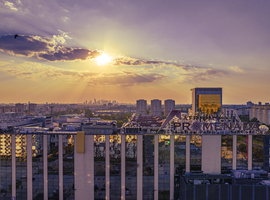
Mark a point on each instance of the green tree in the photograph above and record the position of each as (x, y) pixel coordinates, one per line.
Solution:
(88, 113)
(120, 117)
(77, 111)
(257, 152)
(119, 123)
(244, 118)
(254, 119)
(242, 148)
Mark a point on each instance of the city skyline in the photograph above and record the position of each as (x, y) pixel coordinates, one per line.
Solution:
(120, 103)
(130, 50)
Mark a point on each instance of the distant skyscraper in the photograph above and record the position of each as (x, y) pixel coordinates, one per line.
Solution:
(156, 107)
(206, 100)
(169, 105)
(141, 107)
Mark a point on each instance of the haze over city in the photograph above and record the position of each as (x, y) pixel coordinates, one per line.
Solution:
(69, 51)
(134, 99)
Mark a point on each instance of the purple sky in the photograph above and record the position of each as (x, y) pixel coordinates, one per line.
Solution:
(159, 49)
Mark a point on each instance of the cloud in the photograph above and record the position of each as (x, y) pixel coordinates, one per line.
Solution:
(50, 49)
(236, 69)
(62, 37)
(11, 5)
(121, 60)
(37, 71)
(201, 75)
(65, 19)
(68, 54)
(126, 79)
(124, 60)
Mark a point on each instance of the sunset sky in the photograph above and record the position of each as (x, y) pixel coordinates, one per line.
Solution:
(151, 49)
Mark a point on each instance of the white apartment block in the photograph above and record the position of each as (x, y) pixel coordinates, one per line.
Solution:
(261, 112)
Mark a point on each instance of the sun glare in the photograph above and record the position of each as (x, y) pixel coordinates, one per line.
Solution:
(103, 59)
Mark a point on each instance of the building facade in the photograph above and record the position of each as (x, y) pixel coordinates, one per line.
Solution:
(20, 108)
(206, 100)
(261, 112)
(32, 107)
(156, 107)
(141, 107)
(169, 105)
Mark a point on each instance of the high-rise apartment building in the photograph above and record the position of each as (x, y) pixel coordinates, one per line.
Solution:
(141, 107)
(261, 112)
(169, 105)
(206, 100)
(156, 107)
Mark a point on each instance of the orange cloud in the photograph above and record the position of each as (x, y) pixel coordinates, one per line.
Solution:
(236, 69)
(36, 72)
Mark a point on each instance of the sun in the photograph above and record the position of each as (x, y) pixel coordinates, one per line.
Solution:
(103, 59)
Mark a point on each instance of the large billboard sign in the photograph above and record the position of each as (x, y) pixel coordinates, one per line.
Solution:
(217, 126)
(212, 127)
